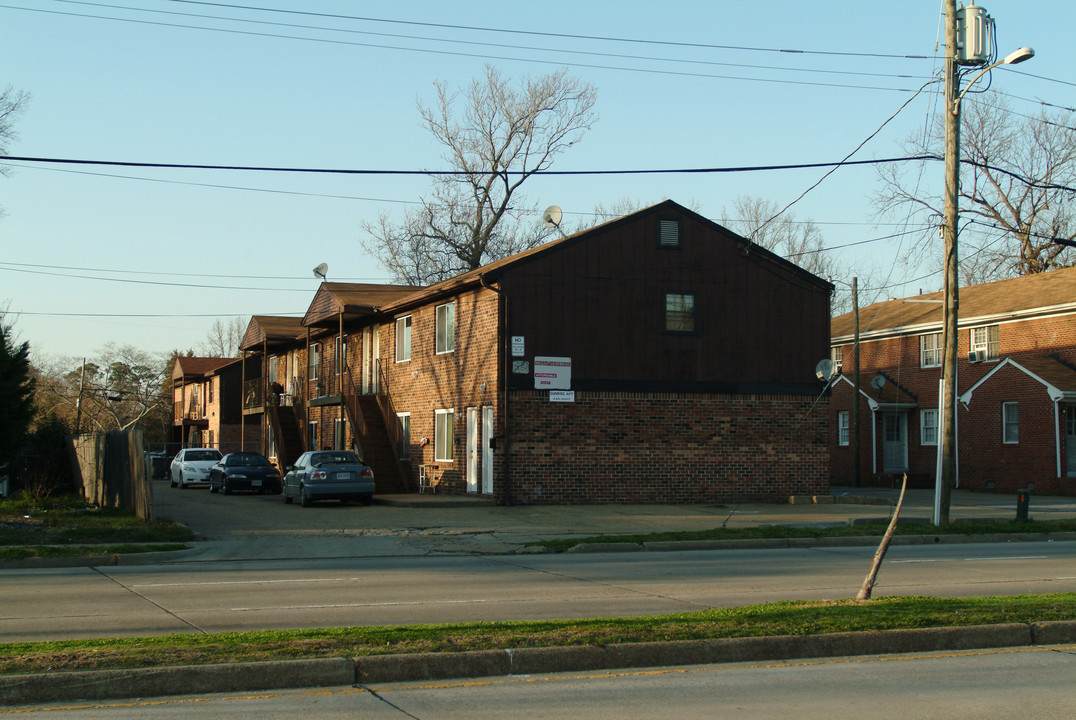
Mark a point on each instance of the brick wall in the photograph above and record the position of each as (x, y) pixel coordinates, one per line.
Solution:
(666, 448)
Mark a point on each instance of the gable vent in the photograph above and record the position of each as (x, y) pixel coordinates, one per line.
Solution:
(669, 233)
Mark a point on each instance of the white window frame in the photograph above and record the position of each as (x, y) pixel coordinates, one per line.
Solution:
(445, 328)
(984, 342)
(1010, 420)
(272, 369)
(836, 355)
(403, 338)
(843, 428)
(444, 437)
(313, 360)
(931, 357)
(341, 351)
(928, 420)
(404, 418)
(312, 434)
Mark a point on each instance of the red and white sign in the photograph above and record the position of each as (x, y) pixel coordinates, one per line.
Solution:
(552, 373)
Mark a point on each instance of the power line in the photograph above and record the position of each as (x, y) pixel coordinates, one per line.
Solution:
(305, 278)
(152, 282)
(446, 173)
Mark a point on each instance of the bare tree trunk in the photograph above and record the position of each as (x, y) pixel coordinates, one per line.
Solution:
(879, 555)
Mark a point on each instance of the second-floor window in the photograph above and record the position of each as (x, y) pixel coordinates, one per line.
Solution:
(341, 351)
(446, 328)
(680, 312)
(210, 383)
(984, 342)
(272, 369)
(403, 338)
(837, 355)
(312, 361)
(930, 350)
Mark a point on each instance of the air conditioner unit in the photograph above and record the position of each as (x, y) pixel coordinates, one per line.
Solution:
(974, 357)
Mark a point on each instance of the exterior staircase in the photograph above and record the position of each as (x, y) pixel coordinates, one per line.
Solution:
(289, 438)
(366, 417)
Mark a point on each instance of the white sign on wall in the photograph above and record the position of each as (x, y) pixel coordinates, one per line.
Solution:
(518, 346)
(552, 373)
(562, 396)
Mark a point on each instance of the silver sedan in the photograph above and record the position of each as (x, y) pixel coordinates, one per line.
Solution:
(328, 475)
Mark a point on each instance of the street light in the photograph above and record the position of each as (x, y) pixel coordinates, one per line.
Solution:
(953, 96)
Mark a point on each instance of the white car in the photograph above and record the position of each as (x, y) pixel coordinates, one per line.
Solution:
(191, 466)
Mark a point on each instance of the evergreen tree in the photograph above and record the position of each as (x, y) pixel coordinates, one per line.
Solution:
(16, 395)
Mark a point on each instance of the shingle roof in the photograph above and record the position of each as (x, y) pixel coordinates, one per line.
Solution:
(333, 298)
(271, 328)
(1056, 373)
(1023, 296)
(190, 366)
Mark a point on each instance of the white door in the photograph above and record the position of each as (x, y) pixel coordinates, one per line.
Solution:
(472, 449)
(375, 362)
(1070, 439)
(487, 450)
(895, 442)
(366, 342)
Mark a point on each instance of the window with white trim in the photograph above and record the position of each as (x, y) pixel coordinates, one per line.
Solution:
(312, 435)
(984, 342)
(928, 426)
(403, 338)
(272, 369)
(930, 350)
(446, 328)
(404, 419)
(842, 427)
(837, 355)
(1010, 423)
(312, 360)
(341, 351)
(444, 422)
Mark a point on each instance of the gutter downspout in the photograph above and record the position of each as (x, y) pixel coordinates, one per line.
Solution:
(1057, 433)
(502, 342)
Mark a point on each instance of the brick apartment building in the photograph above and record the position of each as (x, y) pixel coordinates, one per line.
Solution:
(1016, 379)
(205, 404)
(657, 358)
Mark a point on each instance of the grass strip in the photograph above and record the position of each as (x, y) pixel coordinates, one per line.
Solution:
(782, 618)
(53, 551)
(69, 520)
(792, 531)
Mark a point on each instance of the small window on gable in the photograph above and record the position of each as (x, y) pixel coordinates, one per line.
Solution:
(842, 427)
(668, 233)
(1010, 423)
(680, 312)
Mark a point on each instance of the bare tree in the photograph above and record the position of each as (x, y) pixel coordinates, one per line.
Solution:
(1016, 180)
(223, 338)
(12, 103)
(498, 139)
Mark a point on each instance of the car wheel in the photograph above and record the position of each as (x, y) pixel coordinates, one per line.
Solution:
(172, 481)
(284, 494)
(212, 487)
(304, 499)
(182, 484)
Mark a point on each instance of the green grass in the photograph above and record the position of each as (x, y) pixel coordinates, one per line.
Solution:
(783, 618)
(53, 551)
(791, 531)
(26, 521)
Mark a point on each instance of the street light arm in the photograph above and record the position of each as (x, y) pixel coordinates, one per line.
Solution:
(1013, 58)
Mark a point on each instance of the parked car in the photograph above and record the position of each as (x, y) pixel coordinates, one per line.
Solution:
(191, 466)
(328, 475)
(244, 471)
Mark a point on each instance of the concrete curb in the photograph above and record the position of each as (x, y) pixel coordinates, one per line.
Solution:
(247, 677)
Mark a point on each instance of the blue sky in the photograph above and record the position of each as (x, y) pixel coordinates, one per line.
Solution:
(194, 245)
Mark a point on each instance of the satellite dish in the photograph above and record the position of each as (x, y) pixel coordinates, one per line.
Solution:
(320, 270)
(878, 382)
(552, 216)
(824, 369)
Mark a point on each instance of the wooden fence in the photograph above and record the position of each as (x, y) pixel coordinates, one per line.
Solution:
(113, 471)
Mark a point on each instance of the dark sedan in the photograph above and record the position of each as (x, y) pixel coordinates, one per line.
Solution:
(329, 475)
(244, 471)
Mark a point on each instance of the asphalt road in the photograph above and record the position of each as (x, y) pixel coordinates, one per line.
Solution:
(1029, 683)
(216, 596)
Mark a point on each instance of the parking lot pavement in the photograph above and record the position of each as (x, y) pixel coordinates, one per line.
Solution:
(261, 527)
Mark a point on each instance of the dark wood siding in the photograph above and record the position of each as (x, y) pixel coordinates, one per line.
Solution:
(600, 301)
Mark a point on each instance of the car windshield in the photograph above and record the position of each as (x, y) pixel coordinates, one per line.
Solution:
(202, 455)
(246, 459)
(334, 458)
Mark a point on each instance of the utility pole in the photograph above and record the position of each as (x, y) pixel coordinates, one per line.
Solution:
(855, 382)
(952, 298)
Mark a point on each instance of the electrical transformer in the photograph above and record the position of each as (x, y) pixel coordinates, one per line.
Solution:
(974, 35)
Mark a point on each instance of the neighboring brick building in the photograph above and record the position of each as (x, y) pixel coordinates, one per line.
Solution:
(1016, 378)
(206, 404)
(658, 358)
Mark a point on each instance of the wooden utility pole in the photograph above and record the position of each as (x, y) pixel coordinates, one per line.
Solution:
(855, 383)
(952, 280)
